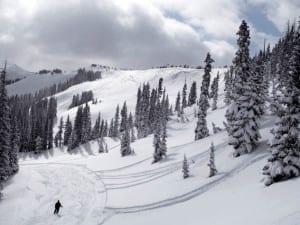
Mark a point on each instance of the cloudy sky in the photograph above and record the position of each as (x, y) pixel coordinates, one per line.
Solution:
(39, 34)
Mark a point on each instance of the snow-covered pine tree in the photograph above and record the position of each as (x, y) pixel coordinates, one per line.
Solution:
(160, 87)
(38, 145)
(58, 136)
(14, 146)
(201, 130)
(123, 119)
(258, 83)
(60, 132)
(130, 121)
(214, 92)
(164, 137)
(73, 141)
(185, 168)
(206, 77)
(68, 131)
(77, 134)
(111, 128)
(56, 140)
(96, 129)
(86, 124)
(132, 135)
(125, 138)
(101, 148)
(284, 162)
(192, 94)
(184, 95)
(115, 131)
(212, 167)
(177, 104)
(243, 112)
(5, 170)
(157, 155)
(228, 77)
(104, 132)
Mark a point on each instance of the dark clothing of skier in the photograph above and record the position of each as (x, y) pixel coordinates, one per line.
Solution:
(57, 207)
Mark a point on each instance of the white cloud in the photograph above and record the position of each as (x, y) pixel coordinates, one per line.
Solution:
(129, 33)
(279, 11)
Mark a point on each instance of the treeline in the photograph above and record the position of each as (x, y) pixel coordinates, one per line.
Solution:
(35, 114)
(247, 91)
(85, 97)
(9, 135)
(35, 120)
(81, 76)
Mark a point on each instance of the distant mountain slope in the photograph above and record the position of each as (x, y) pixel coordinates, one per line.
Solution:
(35, 82)
(16, 72)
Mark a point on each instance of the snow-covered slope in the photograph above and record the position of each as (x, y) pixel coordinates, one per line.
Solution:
(109, 189)
(16, 72)
(35, 82)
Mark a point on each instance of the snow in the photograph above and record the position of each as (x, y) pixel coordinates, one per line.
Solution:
(109, 189)
(16, 72)
(35, 82)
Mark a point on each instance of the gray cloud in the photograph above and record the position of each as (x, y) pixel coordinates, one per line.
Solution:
(127, 33)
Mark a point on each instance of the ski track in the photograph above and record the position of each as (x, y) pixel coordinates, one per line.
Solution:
(189, 195)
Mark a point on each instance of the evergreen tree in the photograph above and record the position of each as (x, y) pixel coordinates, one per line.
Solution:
(14, 146)
(5, 148)
(206, 77)
(39, 145)
(284, 162)
(111, 128)
(160, 87)
(77, 135)
(211, 164)
(115, 132)
(86, 124)
(130, 121)
(214, 92)
(164, 138)
(96, 129)
(124, 119)
(185, 168)
(60, 132)
(68, 131)
(177, 104)
(132, 137)
(192, 94)
(101, 145)
(228, 85)
(158, 154)
(243, 111)
(201, 130)
(125, 138)
(184, 101)
(105, 129)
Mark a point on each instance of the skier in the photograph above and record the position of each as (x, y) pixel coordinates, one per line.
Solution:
(57, 207)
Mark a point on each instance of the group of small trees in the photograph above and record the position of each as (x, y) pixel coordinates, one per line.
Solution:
(211, 164)
(246, 86)
(284, 59)
(85, 97)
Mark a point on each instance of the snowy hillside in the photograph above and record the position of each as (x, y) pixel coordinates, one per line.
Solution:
(35, 82)
(15, 72)
(109, 189)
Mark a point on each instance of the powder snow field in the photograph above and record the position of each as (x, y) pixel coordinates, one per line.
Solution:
(108, 189)
(34, 82)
